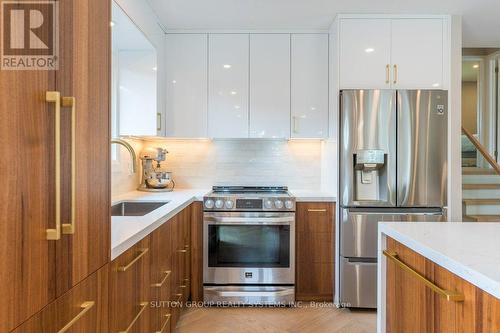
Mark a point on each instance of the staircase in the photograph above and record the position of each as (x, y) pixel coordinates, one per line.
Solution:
(481, 195)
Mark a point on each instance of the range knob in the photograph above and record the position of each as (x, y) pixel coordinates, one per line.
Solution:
(278, 204)
(268, 204)
(209, 203)
(288, 204)
(229, 204)
(219, 204)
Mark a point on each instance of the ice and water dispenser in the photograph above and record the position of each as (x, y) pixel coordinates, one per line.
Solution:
(370, 174)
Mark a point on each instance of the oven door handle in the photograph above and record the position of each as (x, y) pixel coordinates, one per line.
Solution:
(243, 293)
(249, 220)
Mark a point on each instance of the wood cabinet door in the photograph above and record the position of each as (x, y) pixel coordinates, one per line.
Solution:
(82, 309)
(130, 290)
(417, 54)
(315, 251)
(27, 209)
(413, 307)
(161, 275)
(84, 74)
(365, 53)
(197, 251)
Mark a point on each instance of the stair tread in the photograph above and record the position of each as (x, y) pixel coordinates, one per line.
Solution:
(481, 186)
(478, 171)
(485, 218)
(482, 201)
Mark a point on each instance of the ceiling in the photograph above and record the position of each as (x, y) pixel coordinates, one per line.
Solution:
(481, 18)
(470, 71)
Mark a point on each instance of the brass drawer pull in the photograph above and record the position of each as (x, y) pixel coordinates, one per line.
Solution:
(165, 324)
(86, 306)
(55, 97)
(144, 305)
(387, 74)
(311, 210)
(395, 74)
(182, 251)
(448, 294)
(125, 268)
(70, 102)
(159, 285)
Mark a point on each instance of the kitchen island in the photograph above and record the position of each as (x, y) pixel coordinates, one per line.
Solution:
(439, 277)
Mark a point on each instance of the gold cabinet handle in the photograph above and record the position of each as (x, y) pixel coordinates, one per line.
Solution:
(86, 306)
(312, 210)
(159, 285)
(395, 74)
(165, 324)
(70, 102)
(55, 97)
(130, 264)
(448, 294)
(144, 305)
(158, 121)
(182, 251)
(387, 74)
(295, 125)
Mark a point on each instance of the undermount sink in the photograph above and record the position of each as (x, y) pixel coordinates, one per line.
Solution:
(135, 208)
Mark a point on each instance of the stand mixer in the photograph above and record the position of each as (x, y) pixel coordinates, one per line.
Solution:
(153, 178)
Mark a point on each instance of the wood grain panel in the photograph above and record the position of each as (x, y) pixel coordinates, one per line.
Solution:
(129, 289)
(197, 251)
(61, 312)
(85, 74)
(27, 197)
(315, 251)
(412, 307)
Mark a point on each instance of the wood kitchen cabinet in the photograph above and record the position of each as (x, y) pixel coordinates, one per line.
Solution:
(411, 306)
(83, 309)
(392, 52)
(315, 251)
(38, 265)
(130, 290)
(197, 251)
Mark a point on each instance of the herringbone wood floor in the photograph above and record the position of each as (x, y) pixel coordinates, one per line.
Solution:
(306, 319)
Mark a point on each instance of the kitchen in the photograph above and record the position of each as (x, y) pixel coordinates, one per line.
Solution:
(207, 166)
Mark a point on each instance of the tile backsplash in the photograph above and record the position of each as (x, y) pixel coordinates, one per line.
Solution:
(204, 163)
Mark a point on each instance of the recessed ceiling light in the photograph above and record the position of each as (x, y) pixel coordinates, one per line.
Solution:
(227, 66)
(435, 85)
(174, 82)
(475, 66)
(369, 50)
(233, 92)
(155, 68)
(111, 24)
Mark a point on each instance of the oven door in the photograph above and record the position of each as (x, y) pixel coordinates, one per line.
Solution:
(248, 248)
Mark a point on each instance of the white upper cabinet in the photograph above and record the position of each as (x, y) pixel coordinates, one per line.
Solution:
(270, 85)
(186, 71)
(417, 53)
(392, 53)
(365, 53)
(228, 85)
(309, 85)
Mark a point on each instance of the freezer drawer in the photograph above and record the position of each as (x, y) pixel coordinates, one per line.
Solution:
(358, 283)
(358, 227)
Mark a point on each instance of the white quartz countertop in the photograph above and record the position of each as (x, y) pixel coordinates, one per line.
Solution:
(469, 250)
(128, 230)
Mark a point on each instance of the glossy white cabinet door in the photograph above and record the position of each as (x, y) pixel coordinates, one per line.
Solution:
(309, 85)
(186, 69)
(228, 85)
(270, 85)
(365, 46)
(417, 51)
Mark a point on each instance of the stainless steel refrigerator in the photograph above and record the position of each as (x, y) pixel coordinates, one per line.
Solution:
(393, 167)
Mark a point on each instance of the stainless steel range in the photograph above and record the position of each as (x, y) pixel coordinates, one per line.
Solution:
(249, 246)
